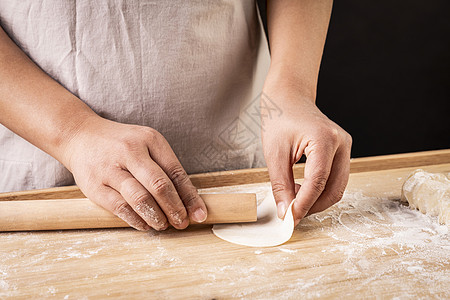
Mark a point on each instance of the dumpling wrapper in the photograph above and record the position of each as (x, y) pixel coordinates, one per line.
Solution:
(267, 231)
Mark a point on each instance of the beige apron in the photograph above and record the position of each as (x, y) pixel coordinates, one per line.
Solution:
(190, 69)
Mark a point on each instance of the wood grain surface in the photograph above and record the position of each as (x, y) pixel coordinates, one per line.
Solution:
(54, 214)
(257, 175)
(369, 245)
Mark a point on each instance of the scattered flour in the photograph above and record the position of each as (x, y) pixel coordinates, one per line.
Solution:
(287, 250)
(366, 228)
(375, 239)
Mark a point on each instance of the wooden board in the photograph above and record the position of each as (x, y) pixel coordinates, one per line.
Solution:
(368, 245)
(257, 175)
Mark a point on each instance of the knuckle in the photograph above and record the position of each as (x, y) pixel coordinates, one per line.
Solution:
(319, 182)
(149, 134)
(139, 198)
(120, 207)
(278, 188)
(329, 134)
(178, 211)
(177, 174)
(190, 199)
(332, 136)
(130, 144)
(160, 185)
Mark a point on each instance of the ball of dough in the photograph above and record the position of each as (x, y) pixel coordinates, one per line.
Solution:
(429, 193)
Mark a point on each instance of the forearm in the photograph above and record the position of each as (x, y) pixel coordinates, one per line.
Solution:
(35, 106)
(297, 32)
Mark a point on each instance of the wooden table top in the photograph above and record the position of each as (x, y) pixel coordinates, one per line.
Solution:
(368, 245)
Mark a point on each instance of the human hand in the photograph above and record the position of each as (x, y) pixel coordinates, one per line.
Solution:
(302, 128)
(131, 171)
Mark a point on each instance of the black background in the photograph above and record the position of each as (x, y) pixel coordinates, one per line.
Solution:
(385, 74)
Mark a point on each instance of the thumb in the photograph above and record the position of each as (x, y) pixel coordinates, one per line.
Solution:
(282, 180)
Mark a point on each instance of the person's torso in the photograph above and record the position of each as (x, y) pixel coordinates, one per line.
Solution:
(189, 69)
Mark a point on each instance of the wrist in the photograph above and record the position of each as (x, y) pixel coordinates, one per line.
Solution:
(81, 124)
(290, 79)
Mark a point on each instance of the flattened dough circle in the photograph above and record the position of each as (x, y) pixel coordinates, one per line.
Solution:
(268, 231)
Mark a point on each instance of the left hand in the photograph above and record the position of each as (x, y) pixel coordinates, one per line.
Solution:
(301, 128)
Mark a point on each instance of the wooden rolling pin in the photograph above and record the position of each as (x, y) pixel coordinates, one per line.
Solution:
(55, 214)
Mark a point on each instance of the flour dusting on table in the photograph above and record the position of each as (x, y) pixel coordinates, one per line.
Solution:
(365, 227)
(376, 237)
(368, 243)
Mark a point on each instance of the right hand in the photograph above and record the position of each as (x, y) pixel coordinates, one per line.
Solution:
(132, 171)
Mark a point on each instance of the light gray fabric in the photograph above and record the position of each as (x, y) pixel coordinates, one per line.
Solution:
(190, 69)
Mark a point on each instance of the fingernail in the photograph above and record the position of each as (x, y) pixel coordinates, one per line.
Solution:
(281, 210)
(199, 215)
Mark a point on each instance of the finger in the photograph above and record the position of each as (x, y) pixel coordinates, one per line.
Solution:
(317, 170)
(279, 165)
(170, 164)
(139, 198)
(112, 201)
(155, 180)
(335, 187)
